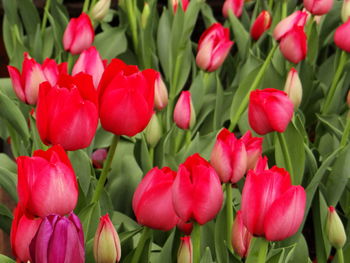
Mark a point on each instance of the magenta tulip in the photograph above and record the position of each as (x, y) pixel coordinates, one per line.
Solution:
(240, 237)
(235, 6)
(342, 36)
(261, 24)
(293, 45)
(318, 7)
(298, 18)
(271, 206)
(184, 114)
(253, 146)
(197, 192)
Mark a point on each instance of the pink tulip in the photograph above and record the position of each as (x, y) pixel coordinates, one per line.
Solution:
(90, 62)
(197, 192)
(271, 206)
(342, 36)
(236, 7)
(253, 146)
(298, 18)
(213, 47)
(184, 4)
(262, 164)
(293, 45)
(261, 24)
(184, 115)
(98, 157)
(160, 93)
(26, 85)
(229, 157)
(152, 202)
(47, 183)
(241, 237)
(79, 34)
(185, 227)
(318, 7)
(269, 110)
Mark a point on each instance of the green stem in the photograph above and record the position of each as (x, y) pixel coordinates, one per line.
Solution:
(257, 80)
(151, 155)
(130, 7)
(188, 137)
(346, 132)
(284, 147)
(92, 3)
(86, 6)
(284, 9)
(107, 165)
(70, 62)
(146, 234)
(338, 74)
(46, 11)
(229, 215)
(340, 255)
(196, 241)
(263, 251)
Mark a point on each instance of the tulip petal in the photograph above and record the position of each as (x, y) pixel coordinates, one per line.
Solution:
(16, 82)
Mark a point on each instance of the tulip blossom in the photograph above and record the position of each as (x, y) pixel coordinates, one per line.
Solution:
(47, 183)
(58, 239)
(197, 192)
(241, 237)
(318, 7)
(293, 45)
(262, 164)
(261, 24)
(184, 4)
(160, 93)
(269, 110)
(73, 126)
(106, 242)
(24, 228)
(293, 87)
(79, 34)
(126, 97)
(229, 157)
(253, 146)
(26, 85)
(184, 115)
(345, 10)
(185, 253)
(90, 62)
(152, 202)
(98, 157)
(213, 47)
(342, 36)
(298, 18)
(335, 229)
(236, 7)
(271, 206)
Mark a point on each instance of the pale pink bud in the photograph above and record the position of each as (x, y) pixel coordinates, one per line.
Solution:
(153, 131)
(184, 4)
(184, 115)
(160, 94)
(261, 24)
(100, 9)
(236, 7)
(261, 164)
(342, 36)
(241, 237)
(293, 45)
(335, 229)
(298, 18)
(293, 87)
(318, 7)
(185, 254)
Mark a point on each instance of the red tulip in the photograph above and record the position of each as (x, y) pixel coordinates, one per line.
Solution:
(213, 47)
(318, 7)
(58, 240)
(293, 45)
(236, 7)
(271, 205)
(184, 4)
(47, 183)
(67, 114)
(26, 85)
(342, 36)
(229, 157)
(269, 110)
(197, 192)
(152, 202)
(261, 24)
(90, 62)
(241, 237)
(79, 34)
(185, 227)
(106, 242)
(126, 98)
(262, 164)
(253, 146)
(184, 115)
(24, 228)
(298, 18)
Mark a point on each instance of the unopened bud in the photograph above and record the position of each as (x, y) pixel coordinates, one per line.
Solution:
(335, 229)
(145, 15)
(241, 237)
(348, 99)
(153, 131)
(345, 10)
(293, 88)
(185, 254)
(184, 115)
(160, 94)
(100, 9)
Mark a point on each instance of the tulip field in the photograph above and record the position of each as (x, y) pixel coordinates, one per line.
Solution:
(185, 131)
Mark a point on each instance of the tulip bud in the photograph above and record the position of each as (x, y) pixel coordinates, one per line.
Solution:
(293, 45)
(145, 15)
(185, 254)
(100, 9)
(335, 229)
(106, 242)
(184, 4)
(236, 7)
(293, 87)
(348, 99)
(160, 94)
(261, 164)
(261, 24)
(184, 115)
(342, 36)
(98, 157)
(345, 10)
(153, 131)
(318, 7)
(241, 237)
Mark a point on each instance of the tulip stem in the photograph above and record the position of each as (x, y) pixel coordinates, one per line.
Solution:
(146, 233)
(286, 155)
(107, 165)
(338, 74)
(130, 6)
(151, 155)
(229, 215)
(340, 255)
(284, 9)
(46, 11)
(196, 239)
(244, 102)
(346, 132)
(263, 251)
(86, 5)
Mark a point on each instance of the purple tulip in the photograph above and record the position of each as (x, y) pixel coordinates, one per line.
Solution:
(59, 239)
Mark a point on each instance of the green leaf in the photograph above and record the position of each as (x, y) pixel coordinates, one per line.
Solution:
(120, 218)
(163, 42)
(90, 217)
(82, 166)
(219, 106)
(207, 258)
(125, 236)
(111, 43)
(142, 155)
(8, 182)
(4, 259)
(30, 18)
(7, 163)
(221, 250)
(313, 43)
(254, 248)
(241, 36)
(5, 219)
(166, 254)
